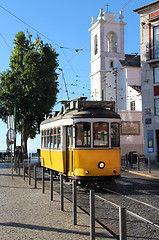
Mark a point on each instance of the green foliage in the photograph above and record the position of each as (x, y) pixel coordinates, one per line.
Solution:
(31, 82)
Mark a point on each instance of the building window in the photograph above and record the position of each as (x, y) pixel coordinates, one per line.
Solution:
(112, 42)
(111, 63)
(156, 42)
(156, 74)
(132, 105)
(156, 105)
(95, 45)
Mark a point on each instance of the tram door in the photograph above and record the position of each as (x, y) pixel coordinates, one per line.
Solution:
(69, 151)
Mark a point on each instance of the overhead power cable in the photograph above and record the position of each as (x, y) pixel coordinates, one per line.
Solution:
(29, 25)
(5, 42)
(58, 45)
(124, 6)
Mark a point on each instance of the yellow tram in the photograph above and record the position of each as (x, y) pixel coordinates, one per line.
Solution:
(82, 141)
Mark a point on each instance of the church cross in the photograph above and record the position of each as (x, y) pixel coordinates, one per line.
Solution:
(107, 5)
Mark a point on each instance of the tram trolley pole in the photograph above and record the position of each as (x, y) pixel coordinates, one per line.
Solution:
(74, 202)
(43, 180)
(61, 192)
(51, 185)
(35, 177)
(24, 169)
(122, 223)
(29, 173)
(92, 215)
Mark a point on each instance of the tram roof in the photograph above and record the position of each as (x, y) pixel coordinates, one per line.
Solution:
(80, 108)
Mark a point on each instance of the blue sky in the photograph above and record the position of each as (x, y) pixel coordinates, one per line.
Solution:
(65, 25)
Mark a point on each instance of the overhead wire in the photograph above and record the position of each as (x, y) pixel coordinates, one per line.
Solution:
(124, 6)
(61, 47)
(77, 50)
(5, 42)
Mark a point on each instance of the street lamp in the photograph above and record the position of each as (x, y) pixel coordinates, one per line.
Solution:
(21, 123)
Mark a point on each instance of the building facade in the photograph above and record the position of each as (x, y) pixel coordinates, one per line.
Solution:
(116, 76)
(149, 42)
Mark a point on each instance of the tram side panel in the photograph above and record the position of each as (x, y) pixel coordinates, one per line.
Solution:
(55, 160)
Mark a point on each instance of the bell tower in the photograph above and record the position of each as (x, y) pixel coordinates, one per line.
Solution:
(107, 49)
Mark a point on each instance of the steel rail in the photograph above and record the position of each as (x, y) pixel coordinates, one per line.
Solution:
(129, 212)
(133, 199)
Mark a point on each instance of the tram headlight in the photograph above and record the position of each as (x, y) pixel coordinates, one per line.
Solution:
(101, 165)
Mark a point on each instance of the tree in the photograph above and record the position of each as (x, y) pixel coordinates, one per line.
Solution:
(30, 83)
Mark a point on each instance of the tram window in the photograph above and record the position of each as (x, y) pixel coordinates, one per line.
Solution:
(115, 137)
(48, 139)
(83, 134)
(54, 138)
(100, 134)
(51, 138)
(59, 138)
(42, 139)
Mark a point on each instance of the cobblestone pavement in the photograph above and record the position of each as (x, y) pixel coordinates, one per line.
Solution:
(26, 213)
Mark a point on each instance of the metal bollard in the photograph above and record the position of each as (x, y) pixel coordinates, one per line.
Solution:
(29, 174)
(126, 159)
(24, 168)
(51, 184)
(35, 179)
(131, 161)
(92, 215)
(74, 200)
(138, 164)
(19, 166)
(16, 164)
(122, 223)
(149, 165)
(43, 180)
(11, 162)
(61, 191)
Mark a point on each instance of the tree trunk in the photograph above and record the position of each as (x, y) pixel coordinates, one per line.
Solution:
(25, 134)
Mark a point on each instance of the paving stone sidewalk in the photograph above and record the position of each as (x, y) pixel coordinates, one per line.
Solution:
(26, 213)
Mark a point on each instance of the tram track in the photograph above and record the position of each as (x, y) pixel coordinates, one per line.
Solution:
(107, 214)
(140, 203)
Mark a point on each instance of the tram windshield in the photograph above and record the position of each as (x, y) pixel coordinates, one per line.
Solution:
(115, 137)
(83, 134)
(100, 134)
(104, 134)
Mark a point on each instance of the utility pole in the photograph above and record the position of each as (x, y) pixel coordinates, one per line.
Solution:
(115, 73)
(15, 110)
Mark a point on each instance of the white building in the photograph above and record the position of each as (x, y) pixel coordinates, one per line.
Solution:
(115, 76)
(149, 42)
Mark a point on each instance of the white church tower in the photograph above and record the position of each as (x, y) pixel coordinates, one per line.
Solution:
(116, 76)
(107, 47)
